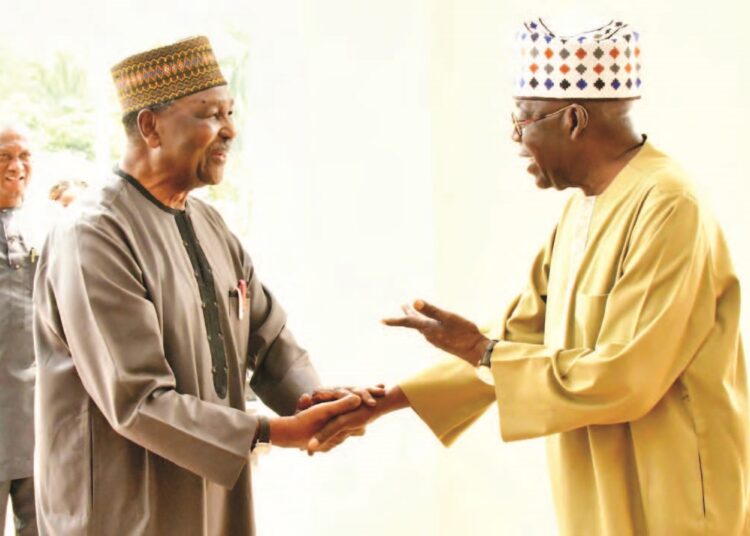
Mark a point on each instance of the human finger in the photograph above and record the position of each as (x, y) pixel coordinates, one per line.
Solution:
(329, 394)
(348, 403)
(366, 396)
(329, 445)
(331, 429)
(409, 310)
(401, 322)
(304, 402)
(370, 393)
(430, 310)
(314, 447)
(377, 390)
(340, 438)
(417, 322)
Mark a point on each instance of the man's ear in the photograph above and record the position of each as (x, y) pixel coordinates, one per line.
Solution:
(146, 121)
(576, 121)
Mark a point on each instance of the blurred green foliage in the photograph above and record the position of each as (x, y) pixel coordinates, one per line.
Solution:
(52, 97)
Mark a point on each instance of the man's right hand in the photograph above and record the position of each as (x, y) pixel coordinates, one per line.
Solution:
(354, 422)
(298, 429)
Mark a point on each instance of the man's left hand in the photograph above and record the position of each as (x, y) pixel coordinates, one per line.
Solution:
(368, 395)
(443, 329)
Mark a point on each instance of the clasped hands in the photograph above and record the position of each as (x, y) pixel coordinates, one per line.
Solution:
(327, 417)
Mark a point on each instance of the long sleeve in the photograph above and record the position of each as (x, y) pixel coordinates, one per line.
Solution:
(449, 397)
(113, 334)
(646, 329)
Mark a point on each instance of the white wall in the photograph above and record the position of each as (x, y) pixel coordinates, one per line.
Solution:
(342, 231)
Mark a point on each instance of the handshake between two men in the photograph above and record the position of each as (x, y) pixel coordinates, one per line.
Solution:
(327, 417)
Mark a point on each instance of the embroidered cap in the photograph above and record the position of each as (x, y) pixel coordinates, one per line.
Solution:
(166, 73)
(599, 64)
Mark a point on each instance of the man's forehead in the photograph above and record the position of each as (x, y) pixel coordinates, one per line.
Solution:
(9, 137)
(531, 104)
(214, 96)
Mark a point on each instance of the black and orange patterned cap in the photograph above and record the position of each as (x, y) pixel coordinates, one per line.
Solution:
(166, 73)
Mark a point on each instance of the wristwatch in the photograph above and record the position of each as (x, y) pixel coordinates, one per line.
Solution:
(484, 370)
(263, 441)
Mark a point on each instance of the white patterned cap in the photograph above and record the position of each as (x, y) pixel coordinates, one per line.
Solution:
(599, 64)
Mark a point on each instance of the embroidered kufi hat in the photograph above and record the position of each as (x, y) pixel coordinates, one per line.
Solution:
(598, 64)
(166, 73)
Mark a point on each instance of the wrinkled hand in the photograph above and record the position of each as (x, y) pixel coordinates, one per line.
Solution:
(298, 429)
(443, 329)
(327, 394)
(340, 428)
(354, 422)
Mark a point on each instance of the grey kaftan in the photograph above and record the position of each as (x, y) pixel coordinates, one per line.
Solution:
(140, 428)
(17, 263)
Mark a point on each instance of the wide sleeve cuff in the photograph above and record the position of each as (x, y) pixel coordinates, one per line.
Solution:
(448, 397)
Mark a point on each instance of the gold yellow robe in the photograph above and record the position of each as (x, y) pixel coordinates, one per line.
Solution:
(624, 350)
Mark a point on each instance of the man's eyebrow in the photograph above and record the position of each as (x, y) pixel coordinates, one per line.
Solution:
(217, 101)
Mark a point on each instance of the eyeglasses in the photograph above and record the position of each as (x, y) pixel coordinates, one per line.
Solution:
(519, 125)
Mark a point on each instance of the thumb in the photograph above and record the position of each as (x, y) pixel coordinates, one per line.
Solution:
(330, 429)
(304, 402)
(430, 310)
(337, 407)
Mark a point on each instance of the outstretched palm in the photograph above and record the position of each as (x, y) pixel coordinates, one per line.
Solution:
(445, 330)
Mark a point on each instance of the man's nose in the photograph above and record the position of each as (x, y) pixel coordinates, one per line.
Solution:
(228, 132)
(514, 135)
(15, 164)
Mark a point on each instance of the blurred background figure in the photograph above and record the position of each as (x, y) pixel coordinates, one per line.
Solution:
(18, 256)
(66, 191)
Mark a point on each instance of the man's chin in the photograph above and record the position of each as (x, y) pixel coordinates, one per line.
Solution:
(15, 192)
(542, 182)
(210, 179)
(214, 181)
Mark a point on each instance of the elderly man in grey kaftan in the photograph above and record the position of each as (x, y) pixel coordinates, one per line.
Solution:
(17, 263)
(149, 314)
